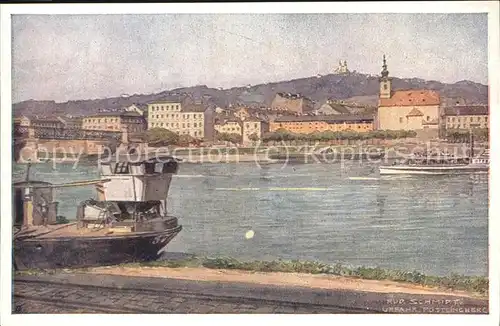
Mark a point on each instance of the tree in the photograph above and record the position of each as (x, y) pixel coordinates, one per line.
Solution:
(328, 135)
(482, 134)
(161, 137)
(315, 136)
(284, 135)
(222, 136)
(457, 136)
(304, 137)
(234, 138)
(186, 140)
(229, 137)
(268, 137)
(254, 137)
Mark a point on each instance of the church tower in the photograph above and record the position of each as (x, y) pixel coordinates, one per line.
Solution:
(385, 82)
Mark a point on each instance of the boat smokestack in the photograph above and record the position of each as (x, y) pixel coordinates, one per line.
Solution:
(28, 208)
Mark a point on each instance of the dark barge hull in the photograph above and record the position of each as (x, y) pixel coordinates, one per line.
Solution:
(85, 251)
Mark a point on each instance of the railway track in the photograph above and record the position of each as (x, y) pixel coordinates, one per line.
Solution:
(100, 299)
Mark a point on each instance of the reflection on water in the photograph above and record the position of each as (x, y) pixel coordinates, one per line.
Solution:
(326, 212)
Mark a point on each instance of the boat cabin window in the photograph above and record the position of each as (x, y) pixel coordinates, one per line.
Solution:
(169, 167)
(149, 168)
(122, 168)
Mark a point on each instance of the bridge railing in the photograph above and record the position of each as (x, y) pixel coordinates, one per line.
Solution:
(66, 133)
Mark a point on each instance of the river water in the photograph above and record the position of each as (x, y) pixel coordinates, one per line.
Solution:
(334, 213)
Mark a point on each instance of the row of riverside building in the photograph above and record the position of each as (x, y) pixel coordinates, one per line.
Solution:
(418, 110)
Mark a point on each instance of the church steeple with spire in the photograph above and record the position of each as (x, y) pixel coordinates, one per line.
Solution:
(385, 81)
(385, 72)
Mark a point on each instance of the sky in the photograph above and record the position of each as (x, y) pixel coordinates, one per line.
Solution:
(73, 57)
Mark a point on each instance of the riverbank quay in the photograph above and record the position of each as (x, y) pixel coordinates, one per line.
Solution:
(99, 292)
(263, 154)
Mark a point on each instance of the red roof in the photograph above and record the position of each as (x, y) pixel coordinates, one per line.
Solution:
(411, 98)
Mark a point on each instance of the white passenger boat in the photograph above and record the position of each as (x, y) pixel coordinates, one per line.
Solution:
(442, 163)
(440, 166)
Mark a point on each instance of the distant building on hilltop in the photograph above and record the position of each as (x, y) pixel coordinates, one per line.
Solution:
(342, 68)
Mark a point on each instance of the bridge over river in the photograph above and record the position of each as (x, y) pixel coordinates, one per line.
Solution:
(29, 142)
(23, 132)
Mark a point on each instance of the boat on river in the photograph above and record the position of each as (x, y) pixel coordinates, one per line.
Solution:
(127, 222)
(442, 163)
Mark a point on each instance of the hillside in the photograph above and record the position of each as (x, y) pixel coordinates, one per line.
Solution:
(354, 87)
